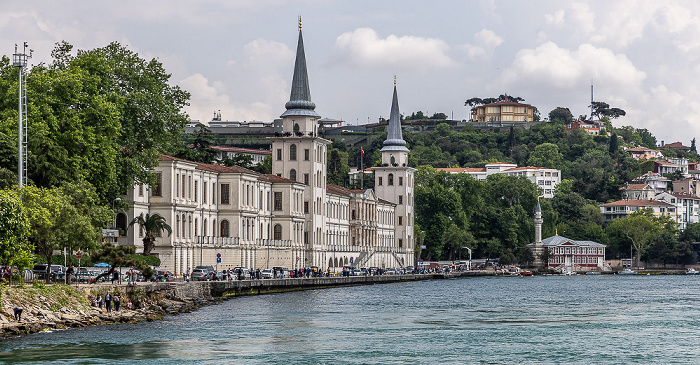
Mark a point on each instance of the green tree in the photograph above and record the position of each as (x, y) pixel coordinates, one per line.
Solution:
(640, 228)
(152, 225)
(546, 155)
(561, 115)
(15, 250)
(120, 256)
(545, 256)
(525, 256)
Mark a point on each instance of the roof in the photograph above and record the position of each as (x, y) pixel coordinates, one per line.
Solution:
(641, 149)
(528, 168)
(338, 190)
(499, 103)
(676, 145)
(636, 187)
(558, 240)
(683, 195)
(394, 139)
(278, 179)
(461, 169)
(300, 98)
(636, 203)
(242, 150)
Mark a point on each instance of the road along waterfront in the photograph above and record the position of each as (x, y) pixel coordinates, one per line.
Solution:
(601, 319)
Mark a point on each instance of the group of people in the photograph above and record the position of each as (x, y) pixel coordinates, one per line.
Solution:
(106, 301)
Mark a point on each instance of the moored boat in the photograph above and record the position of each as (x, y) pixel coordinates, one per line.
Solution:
(627, 272)
(692, 271)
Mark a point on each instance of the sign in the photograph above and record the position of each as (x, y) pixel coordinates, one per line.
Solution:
(351, 259)
(218, 255)
(218, 260)
(110, 233)
(79, 255)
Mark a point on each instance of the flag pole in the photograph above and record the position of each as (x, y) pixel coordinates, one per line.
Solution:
(362, 168)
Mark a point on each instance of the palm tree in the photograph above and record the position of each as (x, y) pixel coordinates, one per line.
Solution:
(152, 225)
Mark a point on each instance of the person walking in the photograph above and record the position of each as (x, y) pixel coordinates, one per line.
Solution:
(117, 302)
(69, 273)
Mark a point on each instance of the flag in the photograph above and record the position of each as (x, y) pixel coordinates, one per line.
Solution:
(363, 152)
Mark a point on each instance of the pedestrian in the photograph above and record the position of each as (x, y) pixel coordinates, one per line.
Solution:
(18, 313)
(69, 273)
(117, 302)
(99, 302)
(108, 302)
(115, 276)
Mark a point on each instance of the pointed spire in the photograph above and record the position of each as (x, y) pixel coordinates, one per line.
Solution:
(394, 138)
(300, 99)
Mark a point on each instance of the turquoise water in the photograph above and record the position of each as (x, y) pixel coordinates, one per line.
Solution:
(573, 320)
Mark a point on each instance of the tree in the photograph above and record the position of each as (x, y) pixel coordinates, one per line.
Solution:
(120, 256)
(601, 109)
(15, 250)
(152, 225)
(561, 115)
(640, 228)
(525, 256)
(455, 238)
(264, 167)
(546, 155)
(545, 255)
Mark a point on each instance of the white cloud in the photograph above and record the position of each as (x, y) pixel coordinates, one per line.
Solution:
(486, 42)
(364, 48)
(554, 67)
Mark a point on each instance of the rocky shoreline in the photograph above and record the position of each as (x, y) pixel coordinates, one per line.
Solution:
(48, 307)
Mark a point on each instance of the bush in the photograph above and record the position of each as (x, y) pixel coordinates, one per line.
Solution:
(147, 260)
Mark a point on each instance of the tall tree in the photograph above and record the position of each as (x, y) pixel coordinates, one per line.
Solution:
(15, 250)
(152, 225)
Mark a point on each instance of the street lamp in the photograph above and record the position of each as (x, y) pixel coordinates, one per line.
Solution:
(114, 220)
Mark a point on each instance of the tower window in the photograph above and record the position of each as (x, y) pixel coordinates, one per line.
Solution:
(224, 228)
(390, 179)
(293, 174)
(279, 154)
(400, 180)
(306, 154)
(296, 128)
(293, 152)
(380, 181)
(277, 234)
(278, 200)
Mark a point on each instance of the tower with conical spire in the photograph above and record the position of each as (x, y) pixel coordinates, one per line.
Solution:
(393, 181)
(299, 154)
(538, 224)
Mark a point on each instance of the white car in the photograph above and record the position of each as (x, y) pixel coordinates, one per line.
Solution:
(266, 274)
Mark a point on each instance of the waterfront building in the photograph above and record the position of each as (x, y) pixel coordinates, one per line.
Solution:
(566, 254)
(546, 179)
(231, 216)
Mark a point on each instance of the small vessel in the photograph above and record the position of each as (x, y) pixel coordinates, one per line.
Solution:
(526, 273)
(627, 272)
(692, 271)
(568, 273)
(593, 273)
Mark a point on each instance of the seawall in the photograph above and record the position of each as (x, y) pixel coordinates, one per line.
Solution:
(54, 306)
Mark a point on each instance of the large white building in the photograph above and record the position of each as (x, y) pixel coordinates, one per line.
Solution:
(545, 178)
(291, 217)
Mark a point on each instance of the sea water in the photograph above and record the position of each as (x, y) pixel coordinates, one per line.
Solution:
(602, 319)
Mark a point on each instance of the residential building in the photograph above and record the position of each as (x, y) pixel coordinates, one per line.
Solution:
(545, 178)
(655, 180)
(623, 208)
(686, 204)
(504, 113)
(671, 165)
(231, 216)
(643, 153)
(593, 128)
(638, 192)
(675, 146)
(688, 185)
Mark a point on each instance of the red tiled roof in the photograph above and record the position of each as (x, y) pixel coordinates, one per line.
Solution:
(635, 187)
(637, 203)
(684, 195)
(338, 190)
(502, 103)
(528, 168)
(461, 169)
(674, 145)
(278, 179)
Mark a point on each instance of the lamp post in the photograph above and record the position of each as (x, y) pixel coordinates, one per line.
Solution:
(114, 220)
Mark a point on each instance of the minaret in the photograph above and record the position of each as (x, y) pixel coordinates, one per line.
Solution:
(394, 183)
(538, 224)
(298, 153)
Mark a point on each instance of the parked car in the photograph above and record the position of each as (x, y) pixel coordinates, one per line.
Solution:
(199, 274)
(57, 272)
(389, 271)
(357, 272)
(163, 276)
(266, 274)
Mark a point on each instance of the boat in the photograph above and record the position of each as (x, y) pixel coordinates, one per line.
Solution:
(627, 272)
(593, 273)
(526, 273)
(692, 271)
(568, 273)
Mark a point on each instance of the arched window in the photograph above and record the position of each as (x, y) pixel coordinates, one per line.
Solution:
(391, 179)
(330, 262)
(224, 228)
(177, 226)
(293, 175)
(296, 128)
(277, 232)
(204, 232)
(293, 152)
(393, 161)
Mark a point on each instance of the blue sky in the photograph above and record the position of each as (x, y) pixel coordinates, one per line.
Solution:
(238, 56)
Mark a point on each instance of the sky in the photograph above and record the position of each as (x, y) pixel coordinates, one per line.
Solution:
(238, 56)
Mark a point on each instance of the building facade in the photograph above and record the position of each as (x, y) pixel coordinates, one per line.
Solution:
(231, 216)
(546, 179)
(504, 113)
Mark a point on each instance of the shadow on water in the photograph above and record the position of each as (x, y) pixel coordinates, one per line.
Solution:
(93, 351)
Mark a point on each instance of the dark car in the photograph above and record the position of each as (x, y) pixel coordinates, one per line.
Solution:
(57, 272)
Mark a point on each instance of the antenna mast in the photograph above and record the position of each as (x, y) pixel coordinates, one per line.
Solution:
(19, 60)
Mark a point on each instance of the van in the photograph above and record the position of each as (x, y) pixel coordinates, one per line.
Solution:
(281, 269)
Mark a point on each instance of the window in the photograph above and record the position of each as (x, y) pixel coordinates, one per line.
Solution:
(225, 197)
(306, 178)
(393, 161)
(183, 186)
(400, 242)
(296, 128)
(390, 180)
(213, 192)
(400, 199)
(400, 220)
(277, 232)
(306, 154)
(380, 181)
(196, 186)
(400, 180)
(279, 154)
(306, 207)
(157, 191)
(224, 228)
(177, 184)
(293, 152)
(140, 189)
(293, 174)
(278, 200)
(204, 193)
